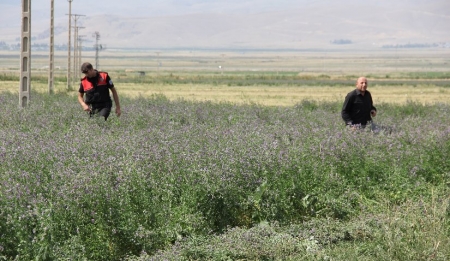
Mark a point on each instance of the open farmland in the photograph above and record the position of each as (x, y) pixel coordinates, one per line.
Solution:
(266, 78)
(199, 167)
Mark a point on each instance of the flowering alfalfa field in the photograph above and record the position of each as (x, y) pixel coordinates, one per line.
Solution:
(182, 180)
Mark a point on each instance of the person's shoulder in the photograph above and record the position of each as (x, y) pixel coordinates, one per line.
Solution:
(368, 93)
(352, 92)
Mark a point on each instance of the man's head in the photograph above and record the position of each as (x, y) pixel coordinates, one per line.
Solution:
(87, 69)
(361, 84)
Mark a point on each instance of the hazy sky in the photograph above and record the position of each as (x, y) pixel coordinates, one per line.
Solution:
(41, 8)
(11, 9)
(243, 20)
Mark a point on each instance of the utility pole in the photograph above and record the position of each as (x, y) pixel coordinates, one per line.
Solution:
(25, 55)
(80, 47)
(76, 53)
(97, 48)
(75, 46)
(69, 81)
(52, 48)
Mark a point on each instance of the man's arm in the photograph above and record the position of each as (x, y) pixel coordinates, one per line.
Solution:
(346, 109)
(373, 110)
(82, 103)
(116, 101)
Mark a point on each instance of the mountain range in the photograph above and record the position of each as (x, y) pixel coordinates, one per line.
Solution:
(281, 24)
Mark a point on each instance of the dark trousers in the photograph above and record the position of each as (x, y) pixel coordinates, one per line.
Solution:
(101, 109)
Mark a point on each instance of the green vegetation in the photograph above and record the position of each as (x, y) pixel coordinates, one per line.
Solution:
(428, 75)
(38, 78)
(184, 180)
(9, 77)
(245, 78)
(268, 78)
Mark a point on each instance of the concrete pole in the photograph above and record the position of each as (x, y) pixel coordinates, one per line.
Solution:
(80, 46)
(69, 78)
(97, 47)
(75, 51)
(76, 70)
(25, 55)
(52, 48)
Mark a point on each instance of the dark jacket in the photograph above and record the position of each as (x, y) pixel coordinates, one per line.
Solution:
(96, 89)
(356, 108)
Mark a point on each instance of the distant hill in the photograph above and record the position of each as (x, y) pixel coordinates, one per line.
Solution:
(312, 24)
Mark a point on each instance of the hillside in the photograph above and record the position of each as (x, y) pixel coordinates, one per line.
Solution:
(313, 24)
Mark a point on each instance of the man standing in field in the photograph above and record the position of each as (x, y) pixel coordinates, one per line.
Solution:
(95, 86)
(358, 108)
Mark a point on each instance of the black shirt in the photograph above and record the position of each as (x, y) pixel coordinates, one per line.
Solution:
(356, 108)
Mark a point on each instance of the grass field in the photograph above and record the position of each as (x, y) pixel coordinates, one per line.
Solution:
(267, 78)
(424, 93)
(199, 167)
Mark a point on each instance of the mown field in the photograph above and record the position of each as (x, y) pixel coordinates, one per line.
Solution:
(269, 173)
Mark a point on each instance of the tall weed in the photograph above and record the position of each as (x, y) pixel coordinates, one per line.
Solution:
(168, 172)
